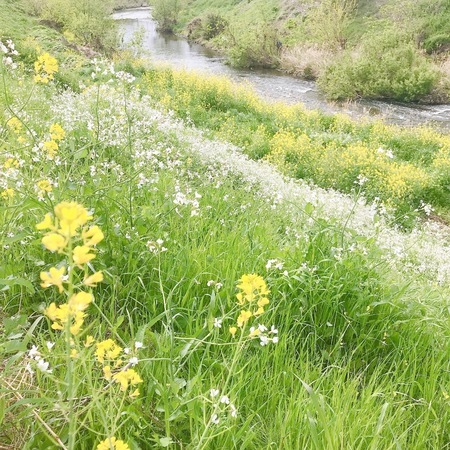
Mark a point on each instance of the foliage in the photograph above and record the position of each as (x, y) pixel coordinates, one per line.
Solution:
(89, 21)
(161, 289)
(166, 12)
(387, 66)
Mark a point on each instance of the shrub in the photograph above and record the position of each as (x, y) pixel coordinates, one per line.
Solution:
(213, 25)
(387, 66)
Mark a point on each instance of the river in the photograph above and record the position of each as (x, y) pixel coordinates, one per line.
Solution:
(269, 84)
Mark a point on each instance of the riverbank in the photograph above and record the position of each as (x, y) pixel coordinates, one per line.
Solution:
(353, 51)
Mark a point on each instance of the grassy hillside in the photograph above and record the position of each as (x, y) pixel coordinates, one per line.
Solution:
(161, 288)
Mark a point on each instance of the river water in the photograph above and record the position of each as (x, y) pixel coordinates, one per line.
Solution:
(269, 84)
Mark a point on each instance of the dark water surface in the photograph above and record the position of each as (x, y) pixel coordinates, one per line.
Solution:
(269, 84)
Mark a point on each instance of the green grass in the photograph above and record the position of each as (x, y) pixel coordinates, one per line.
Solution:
(362, 356)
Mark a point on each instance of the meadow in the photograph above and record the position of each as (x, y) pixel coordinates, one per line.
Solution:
(184, 266)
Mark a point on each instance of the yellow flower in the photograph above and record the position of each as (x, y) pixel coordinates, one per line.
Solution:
(56, 132)
(107, 373)
(73, 353)
(89, 341)
(80, 301)
(127, 378)
(15, 124)
(135, 393)
(92, 280)
(232, 331)
(54, 242)
(107, 349)
(263, 301)
(92, 236)
(81, 255)
(243, 318)
(252, 285)
(44, 185)
(8, 194)
(54, 277)
(47, 223)
(11, 163)
(51, 147)
(112, 444)
(44, 68)
(72, 216)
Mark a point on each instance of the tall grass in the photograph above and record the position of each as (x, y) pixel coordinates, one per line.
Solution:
(348, 353)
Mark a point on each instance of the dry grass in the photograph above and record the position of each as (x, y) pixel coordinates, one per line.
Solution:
(306, 61)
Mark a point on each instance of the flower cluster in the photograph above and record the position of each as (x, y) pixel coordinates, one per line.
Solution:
(39, 362)
(50, 146)
(110, 354)
(66, 229)
(221, 406)
(8, 51)
(252, 298)
(253, 294)
(44, 68)
(113, 444)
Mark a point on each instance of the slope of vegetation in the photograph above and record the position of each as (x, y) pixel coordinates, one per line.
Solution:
(159, 288)
(385, 49)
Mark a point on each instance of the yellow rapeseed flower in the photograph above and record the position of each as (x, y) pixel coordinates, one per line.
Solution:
(15, 125)
(51, 147)
(243, 318)
(54, 277)
(44, 68)
(46, 224)
(44, 185)
(92, 236)
(92, 280)
(89, 341)
(81, 255)
(71, 216)
(107, 349)
(112, 444)
(54, 242)
(107, 373)
(127, 378)
(80, 301)
(7, 194)
(56, 132)
(232, 331)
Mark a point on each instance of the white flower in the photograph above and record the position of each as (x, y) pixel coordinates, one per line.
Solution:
(233, 410)
(215, 419)
(133, 361)
(214, 393)
(225, 399)
(262, 328)
(126, 350)
(263, 340)
(29, 369)
(42, 365)
(138, 345)
(34, 352)
(273, 330)
(275, 339)
(217, 322)
(50, 345)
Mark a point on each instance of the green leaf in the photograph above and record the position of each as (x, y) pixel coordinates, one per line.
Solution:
(17, 281)
(309, 208)
(165, 441)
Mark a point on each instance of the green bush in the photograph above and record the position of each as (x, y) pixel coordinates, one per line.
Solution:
(213, 25)
(387, 66)
(89, 21)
